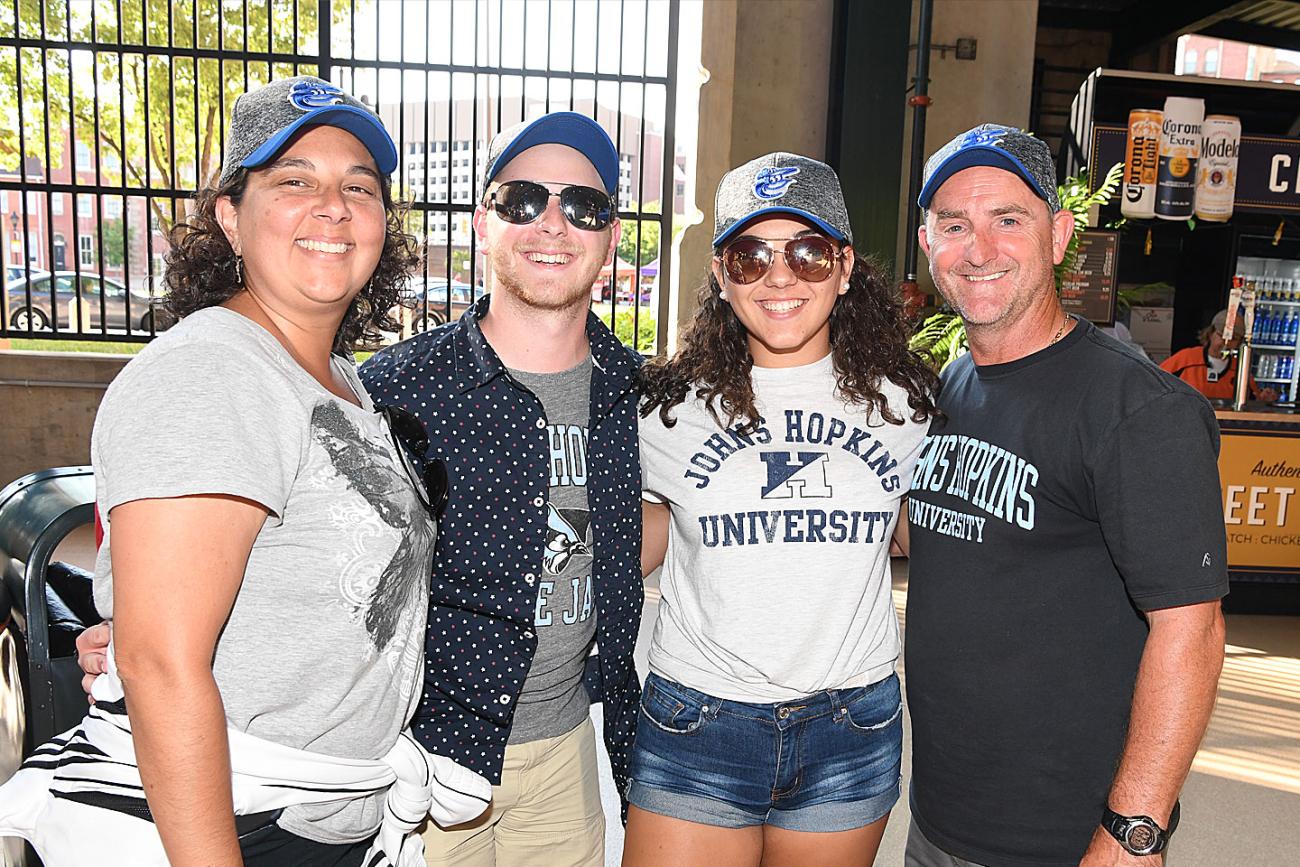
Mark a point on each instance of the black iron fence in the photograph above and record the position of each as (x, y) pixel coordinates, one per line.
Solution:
(113, 112)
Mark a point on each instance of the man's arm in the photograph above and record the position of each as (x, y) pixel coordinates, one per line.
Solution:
(1177, 681)
(901, 544)
(175, 579)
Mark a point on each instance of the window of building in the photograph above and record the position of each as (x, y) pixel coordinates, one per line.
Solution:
(83, 156)
(1212, 61)
(86, 249)
(56, 204)
(1189, 61)
(113, 208)
(85, 204)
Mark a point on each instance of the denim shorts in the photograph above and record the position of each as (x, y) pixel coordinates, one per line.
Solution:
(829, 762)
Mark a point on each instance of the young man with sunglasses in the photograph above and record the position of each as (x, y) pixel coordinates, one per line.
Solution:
(1064, 637)
(529, 401)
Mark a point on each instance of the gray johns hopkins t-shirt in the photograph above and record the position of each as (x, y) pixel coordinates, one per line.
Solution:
(324, 648)
(553, 700)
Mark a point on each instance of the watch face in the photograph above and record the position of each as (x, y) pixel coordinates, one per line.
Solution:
(1141, 837)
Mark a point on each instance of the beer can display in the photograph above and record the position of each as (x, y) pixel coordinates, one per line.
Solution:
(1180, 148)
(1216, 176)
(1140, 164)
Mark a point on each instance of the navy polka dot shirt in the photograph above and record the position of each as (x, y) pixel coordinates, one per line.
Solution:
(491, 432)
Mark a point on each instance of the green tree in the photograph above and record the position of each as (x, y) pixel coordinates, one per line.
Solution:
(116, 242)
(154, 121)
(649, 246)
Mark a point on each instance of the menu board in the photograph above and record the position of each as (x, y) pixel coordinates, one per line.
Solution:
(1088, 290)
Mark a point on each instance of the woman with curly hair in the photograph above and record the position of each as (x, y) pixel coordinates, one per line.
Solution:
(269, 532)
(777, 446)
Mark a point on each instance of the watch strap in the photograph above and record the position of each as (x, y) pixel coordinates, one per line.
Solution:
(1140, 835)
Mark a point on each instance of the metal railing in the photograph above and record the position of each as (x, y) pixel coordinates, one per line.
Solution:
(113, 112)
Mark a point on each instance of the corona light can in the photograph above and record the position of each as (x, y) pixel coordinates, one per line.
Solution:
(1140, 163)
(1180, 148)
(1216, 176)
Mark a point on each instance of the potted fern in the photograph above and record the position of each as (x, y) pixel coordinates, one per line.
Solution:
(941, 339)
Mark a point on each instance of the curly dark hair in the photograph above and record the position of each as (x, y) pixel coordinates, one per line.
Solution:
(202, 272)
(869, 336)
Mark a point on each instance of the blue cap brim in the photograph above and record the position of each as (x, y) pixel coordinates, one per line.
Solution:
(566, 128)
(970, 157)
(735, 228)
(368, 129)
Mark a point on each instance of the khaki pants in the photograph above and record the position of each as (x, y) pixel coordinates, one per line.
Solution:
(545, 813)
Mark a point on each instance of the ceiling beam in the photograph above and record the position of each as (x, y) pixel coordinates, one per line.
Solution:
(1255, 34)
(1144, 23)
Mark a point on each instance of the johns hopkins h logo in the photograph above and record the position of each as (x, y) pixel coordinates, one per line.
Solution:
(800, 474)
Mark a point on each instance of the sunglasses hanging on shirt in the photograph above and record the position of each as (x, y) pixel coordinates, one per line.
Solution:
(523, 202)
(427, 475)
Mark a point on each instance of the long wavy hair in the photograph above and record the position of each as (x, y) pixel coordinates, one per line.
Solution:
(202, 268)
(868, 332)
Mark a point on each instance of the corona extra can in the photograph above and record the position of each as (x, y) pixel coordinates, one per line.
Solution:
(1216, 176)
(1138, 200)
(1180, 149)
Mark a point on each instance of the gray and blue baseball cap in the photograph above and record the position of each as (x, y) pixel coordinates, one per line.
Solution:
(1002, 147)
(557, 127)
(781, 183)
(263, 121)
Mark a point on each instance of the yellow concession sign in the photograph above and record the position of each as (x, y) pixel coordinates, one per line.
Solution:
(1260, 473)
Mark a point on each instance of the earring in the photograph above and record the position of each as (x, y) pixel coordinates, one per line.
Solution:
(722, 294)
(239, 270)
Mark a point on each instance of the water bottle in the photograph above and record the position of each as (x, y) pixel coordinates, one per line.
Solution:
(1293, 329)
(1276, 324)
(1265, 323)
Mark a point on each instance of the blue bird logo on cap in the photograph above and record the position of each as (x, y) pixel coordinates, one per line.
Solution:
(307, 96)
(773, 182)
(982, 136)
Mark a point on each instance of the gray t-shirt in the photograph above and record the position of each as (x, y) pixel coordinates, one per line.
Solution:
(553, 700)
(776, 580)
(324, 648)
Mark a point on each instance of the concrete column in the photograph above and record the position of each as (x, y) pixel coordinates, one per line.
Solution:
(996, 87)
(768, 65)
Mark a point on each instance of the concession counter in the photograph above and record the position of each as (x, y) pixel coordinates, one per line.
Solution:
(1259, 468)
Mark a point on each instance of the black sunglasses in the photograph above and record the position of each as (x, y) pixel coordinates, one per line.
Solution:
(428, 475)
(811, 258)
(522, 202)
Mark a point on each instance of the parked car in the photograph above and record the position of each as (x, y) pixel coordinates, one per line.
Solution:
(17, 272)
(433, 295)
(105, 299)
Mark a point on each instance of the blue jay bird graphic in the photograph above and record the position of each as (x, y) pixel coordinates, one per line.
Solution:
(773, 182)
(563, 541)
(306, 95)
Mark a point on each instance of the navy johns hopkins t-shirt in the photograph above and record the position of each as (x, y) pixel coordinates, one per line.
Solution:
(1061, 495)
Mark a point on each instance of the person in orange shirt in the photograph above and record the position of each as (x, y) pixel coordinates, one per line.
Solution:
(1207, 367)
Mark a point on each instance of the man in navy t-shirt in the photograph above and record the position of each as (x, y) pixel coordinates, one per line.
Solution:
(1064, 635)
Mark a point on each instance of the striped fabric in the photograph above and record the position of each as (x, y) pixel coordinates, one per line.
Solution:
(83, 788)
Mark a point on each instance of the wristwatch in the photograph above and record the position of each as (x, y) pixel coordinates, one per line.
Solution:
(1139, 835)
